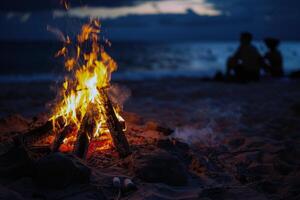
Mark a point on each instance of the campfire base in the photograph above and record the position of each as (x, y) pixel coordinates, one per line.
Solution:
(85, 133)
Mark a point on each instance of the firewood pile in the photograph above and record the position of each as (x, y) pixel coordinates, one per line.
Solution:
(84, 135)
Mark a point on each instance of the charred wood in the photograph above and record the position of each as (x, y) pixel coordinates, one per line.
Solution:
(115, 127)
(29, 137)
(61, 136)
(36, 134)
(39, 133)
(85, 133)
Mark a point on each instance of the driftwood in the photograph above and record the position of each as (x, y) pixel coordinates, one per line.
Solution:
(39, 133)
(114, 126)
(85, 133)
(32, 136)
(61, 136)
(28, 138)
(36, 134)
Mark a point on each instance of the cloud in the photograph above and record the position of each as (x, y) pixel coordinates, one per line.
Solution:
(199, 19)
(200, 7)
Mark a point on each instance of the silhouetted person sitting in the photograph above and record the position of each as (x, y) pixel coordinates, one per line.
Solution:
(273, 58)
(246, 61)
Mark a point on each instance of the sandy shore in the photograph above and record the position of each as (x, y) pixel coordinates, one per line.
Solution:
(245, 136)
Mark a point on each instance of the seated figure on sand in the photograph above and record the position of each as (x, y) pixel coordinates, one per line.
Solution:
(273, 59)
(246, 61)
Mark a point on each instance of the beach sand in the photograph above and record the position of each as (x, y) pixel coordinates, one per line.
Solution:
(242, 139)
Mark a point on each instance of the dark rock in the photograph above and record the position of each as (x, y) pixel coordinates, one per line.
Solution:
(15, 163)
(177, 148)
(7, 194)
(60, 170)
(24, 186)
(160, 166)
(165, 144)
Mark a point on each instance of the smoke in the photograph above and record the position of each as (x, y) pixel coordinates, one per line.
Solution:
(207, 135)
(119, 94)
(214, 124)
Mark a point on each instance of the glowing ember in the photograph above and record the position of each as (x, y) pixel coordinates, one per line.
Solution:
(89, 70)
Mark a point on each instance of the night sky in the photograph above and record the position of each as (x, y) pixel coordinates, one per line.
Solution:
(154, 19)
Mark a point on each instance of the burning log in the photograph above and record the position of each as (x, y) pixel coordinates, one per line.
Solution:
(39, 133)
(85, 133)
(61, 136)
(34, 135)
(29, 137)
(83, 93)
(114, 126)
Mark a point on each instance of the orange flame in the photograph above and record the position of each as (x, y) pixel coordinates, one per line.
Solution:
(89, 68)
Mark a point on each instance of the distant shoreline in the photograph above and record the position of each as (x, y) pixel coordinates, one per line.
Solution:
(25, 62)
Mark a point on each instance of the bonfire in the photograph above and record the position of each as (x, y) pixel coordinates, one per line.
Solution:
(83, 118)
(83, 112)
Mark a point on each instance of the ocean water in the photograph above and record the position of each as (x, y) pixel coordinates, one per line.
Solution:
(34, 61)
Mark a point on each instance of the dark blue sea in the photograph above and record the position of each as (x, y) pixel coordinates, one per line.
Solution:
(34, 61)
